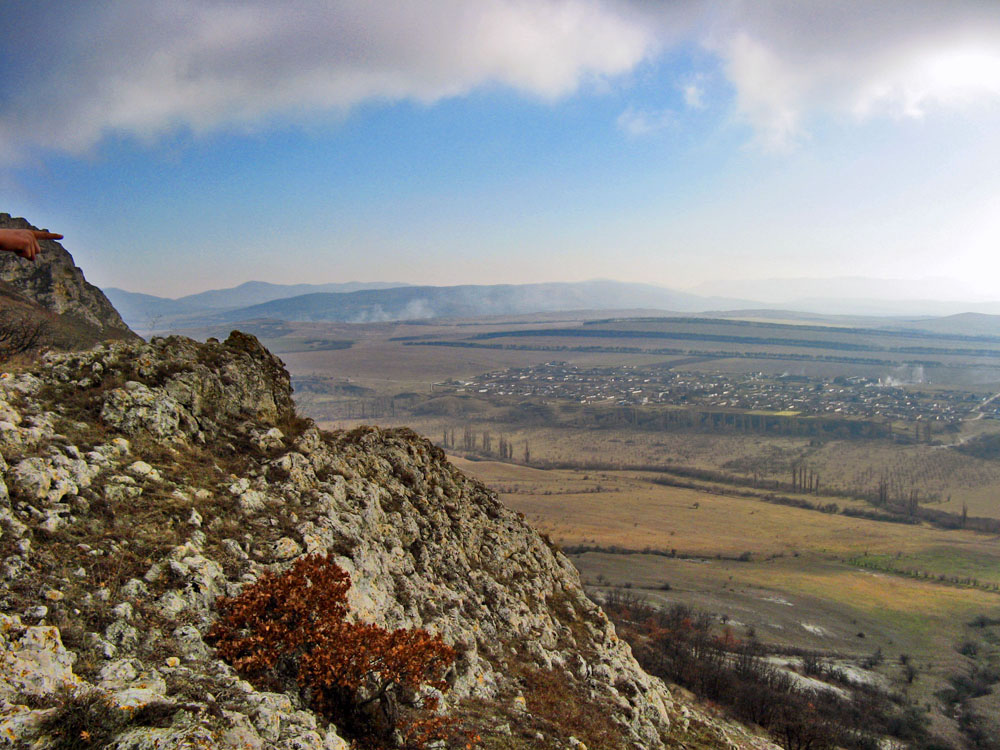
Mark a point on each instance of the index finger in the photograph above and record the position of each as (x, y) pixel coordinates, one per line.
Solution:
(40, 235)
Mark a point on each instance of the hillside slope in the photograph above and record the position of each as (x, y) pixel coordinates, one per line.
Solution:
(139, 482)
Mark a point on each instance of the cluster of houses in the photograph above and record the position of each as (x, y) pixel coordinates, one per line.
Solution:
(633, 385)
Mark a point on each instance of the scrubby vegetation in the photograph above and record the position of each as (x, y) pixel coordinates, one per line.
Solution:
(681, 646)
(90, 719)
(964, 688)
(981, 446)
(371, 682)
(20, 332)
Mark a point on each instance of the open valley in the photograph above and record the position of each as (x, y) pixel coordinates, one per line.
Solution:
(839, 496)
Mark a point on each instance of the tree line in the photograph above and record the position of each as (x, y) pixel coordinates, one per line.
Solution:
(681, 646)
(484, 444)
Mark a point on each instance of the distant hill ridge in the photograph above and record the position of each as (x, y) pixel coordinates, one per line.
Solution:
(143, 309)
(359, 302)
(419, 302)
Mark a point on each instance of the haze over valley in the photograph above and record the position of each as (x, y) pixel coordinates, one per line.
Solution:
(385, 301)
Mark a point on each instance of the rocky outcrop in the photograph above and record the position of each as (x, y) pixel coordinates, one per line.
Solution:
(140, 482)
(57, 285)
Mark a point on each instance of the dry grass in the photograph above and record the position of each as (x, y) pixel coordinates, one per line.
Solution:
(943, 477)
(632, 513)
(799, 588)
(822, 607)
(925, 605)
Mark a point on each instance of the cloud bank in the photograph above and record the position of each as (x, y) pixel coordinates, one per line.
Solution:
(788, 61)
(146, 67)
(78, 72)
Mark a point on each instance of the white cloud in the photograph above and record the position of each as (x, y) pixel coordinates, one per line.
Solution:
(694, 96)
(635, 122)
(954, 76)
(790, 61)
(768, 92)
(146, 67)
(78, 72)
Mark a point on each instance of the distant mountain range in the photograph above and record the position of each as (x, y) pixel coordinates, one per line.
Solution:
(421, 302)
(385, 302)
(146, 311)
(960, 324)
(381, 301)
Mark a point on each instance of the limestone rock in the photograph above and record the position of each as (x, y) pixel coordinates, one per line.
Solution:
(287, 548)
(135, 408)
(33, 660)
(55, 283)
(32, 478)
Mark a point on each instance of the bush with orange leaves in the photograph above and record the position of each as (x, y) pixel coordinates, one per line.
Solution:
(367, 680)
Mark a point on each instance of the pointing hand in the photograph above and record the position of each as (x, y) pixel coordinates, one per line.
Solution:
(24, 242)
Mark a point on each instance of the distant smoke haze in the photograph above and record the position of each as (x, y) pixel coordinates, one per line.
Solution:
(904, 376)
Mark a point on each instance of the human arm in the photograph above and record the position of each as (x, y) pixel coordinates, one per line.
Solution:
(24, 242)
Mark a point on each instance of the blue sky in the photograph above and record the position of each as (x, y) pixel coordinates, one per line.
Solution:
(197, 144)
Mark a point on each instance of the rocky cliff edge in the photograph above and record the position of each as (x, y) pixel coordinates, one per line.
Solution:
(140, 482)
(76, 312)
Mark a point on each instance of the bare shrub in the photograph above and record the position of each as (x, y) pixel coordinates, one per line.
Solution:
(20, 333)
(366, 679)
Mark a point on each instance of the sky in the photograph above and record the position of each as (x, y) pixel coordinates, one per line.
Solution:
(198, 144)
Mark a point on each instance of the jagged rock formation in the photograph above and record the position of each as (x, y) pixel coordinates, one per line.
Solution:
(78, 312)
(139, 482)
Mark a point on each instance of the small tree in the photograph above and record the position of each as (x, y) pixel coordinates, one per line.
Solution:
(364, 678)
(20, 333)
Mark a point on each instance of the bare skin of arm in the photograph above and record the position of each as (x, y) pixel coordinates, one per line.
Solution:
(24, 242)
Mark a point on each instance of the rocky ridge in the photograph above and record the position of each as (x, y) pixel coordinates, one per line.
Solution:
(139, 482)
(81, 313)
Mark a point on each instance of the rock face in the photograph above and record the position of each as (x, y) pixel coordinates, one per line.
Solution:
(140, 482)
(56, 284)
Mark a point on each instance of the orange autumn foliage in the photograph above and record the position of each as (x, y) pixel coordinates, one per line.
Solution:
(364, 678)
